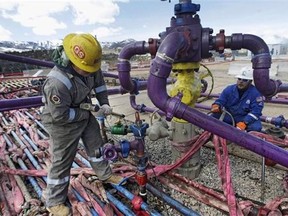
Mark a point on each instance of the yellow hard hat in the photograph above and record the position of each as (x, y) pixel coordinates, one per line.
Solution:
(84, 51)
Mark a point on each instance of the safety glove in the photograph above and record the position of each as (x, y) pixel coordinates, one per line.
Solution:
(241, 125)
(215, 108)
(107, 110)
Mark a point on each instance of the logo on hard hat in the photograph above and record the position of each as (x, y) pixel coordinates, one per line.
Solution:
(79, 52)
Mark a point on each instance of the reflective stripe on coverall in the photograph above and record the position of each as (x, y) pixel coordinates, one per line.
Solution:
(246, 109)
(67, 123)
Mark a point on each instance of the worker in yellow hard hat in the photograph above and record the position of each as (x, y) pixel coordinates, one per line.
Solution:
(68, 85)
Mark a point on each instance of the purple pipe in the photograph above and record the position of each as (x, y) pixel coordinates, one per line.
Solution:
(124, 67)
(261, 62)
(20, 103)
(107, 74)
(272, 100)
(283, 87)
(159, 72)
(28, 102)
(141, 85)
(26, 60)
(142, 107)
(281, 122)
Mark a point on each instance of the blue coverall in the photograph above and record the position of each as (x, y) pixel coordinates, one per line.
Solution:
(247, 109)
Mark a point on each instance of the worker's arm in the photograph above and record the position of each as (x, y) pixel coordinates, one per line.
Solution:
(221, 102)
(100, 88)
(58, 100)
(256, 108)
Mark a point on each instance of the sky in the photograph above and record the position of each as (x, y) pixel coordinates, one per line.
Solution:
(116, 20)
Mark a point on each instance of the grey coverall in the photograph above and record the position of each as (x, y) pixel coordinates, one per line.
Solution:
(66, 124)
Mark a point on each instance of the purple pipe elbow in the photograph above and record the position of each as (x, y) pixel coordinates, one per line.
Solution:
(261, 63)
(264, 84)
(124, 66)
(160, 69)
(142, 107)
(159, 72)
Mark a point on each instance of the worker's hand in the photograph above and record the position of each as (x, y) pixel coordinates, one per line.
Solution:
(215, 108)
(241, 125)
(107, 110)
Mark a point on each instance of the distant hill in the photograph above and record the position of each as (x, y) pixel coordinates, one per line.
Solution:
(42, 51)
(22, 46)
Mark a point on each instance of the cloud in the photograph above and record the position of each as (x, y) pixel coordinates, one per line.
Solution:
(92, 12)
(45, 18)
(5, 35)
(104, 32)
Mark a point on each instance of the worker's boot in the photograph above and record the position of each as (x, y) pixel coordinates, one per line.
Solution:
(59, 210)
(115, 179)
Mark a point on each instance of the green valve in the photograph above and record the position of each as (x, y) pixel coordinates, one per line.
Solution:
(119, 129)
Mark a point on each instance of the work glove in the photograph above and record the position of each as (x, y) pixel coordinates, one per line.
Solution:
(241, 125)
(107, 110)
(215, 108)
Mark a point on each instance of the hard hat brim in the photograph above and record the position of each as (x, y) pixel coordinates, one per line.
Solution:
(243, 77)
(67, 48)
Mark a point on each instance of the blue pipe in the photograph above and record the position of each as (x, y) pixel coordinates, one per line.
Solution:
(37, 122)
(41, 134)
(130, 196)
(27, 138)
(26, 150)
(172, 202)
(37, 166)
(124, 209)
(80, 198)
(31, 179)
(83, 160)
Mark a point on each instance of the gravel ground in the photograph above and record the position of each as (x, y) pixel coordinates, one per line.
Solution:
(245, 174)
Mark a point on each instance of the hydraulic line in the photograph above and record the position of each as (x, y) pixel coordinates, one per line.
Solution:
(80, 198)
(35, 163)
(124, 209)
(83, 160)
(27, 138)
(38, 123)
(20, 182)
(41, 134)
(171, 202)
(31, 179)
(75, 165)
(130, 196)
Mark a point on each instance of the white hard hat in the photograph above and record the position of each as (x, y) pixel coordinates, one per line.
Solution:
(246, 73)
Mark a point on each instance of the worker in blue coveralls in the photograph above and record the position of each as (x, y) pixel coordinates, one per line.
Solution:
(243, 101)
(66, 94)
